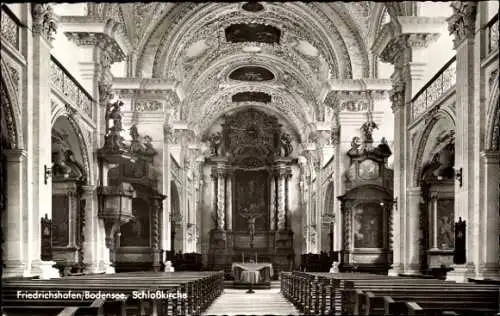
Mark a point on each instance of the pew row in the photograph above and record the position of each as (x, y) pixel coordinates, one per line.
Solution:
(363, 294)
(184, 293)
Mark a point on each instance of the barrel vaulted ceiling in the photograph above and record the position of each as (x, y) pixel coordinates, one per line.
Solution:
(289, 51)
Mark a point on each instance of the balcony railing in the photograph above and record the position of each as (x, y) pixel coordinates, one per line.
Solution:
(492, 33)
(10, 27)
(64, 82)
(444, 80)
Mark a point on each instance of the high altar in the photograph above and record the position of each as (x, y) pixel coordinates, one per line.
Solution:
(250, 176)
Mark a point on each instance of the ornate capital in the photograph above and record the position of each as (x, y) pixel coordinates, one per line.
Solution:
(462, 23)
(44, 20)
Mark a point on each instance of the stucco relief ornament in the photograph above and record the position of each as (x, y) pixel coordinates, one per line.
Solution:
(44, 20)
(462, 23)
(397, 95)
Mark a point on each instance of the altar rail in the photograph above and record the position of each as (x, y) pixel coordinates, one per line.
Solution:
(444, 80)
(62, 80)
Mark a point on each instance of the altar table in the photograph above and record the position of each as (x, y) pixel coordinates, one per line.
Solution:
(252, 272)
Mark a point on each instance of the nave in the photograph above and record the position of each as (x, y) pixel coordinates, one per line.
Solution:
(299, 293)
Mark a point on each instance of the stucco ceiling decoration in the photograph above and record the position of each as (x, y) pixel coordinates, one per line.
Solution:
(286, 17)
(251, 73)
(213, 81)
(296, 111)
(187, 43)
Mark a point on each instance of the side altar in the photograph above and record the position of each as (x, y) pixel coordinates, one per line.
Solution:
(251, 169)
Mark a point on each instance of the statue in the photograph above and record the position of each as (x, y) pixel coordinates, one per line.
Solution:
(215, 140)
(113, 140)
(148, 147)
(285, 145)
(135, 145)
(335, 267)
(384, 147)
(367, 129)
(355, 143)
(251, 214)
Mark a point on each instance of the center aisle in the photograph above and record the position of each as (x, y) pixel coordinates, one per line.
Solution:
(262, 302)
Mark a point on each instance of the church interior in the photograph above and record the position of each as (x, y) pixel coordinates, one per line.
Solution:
(327, 158)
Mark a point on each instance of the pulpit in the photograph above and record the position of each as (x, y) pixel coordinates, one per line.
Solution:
(254, 273)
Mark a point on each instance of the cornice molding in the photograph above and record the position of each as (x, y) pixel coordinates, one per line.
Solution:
(88, 30)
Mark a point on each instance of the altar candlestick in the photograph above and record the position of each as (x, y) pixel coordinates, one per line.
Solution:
(256, 258)
(243, 257)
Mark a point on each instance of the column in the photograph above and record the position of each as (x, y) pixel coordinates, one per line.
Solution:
(489, 263)
(220, 199)
(166, 213)
(288, 175)
(14, 234)
(272, 203)
(404, 51)
(40, 149)
(433, 220)
(462, 25)
(281, 199)
(155, 231)
(229, 201)
(89, 244)
(411, 263)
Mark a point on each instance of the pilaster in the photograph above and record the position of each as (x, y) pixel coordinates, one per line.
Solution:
(90, 242)
(402, 46)
(14, 234)
(462, 25)
(490, 221)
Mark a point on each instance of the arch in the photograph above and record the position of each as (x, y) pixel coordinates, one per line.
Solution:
(492, 134)
(11, 108)
(298, 132)
(83, 149)
(424, 143)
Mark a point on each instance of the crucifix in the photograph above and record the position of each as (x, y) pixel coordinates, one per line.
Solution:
(251, 213)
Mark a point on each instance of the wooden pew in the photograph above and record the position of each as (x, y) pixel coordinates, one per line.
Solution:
(327, 293)
(87, 308)
(201, 288)
(364, 297)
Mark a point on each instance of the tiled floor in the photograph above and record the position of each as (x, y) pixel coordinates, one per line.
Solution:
(262, 302)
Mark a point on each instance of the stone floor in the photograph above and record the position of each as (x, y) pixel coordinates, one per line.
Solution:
(262, 302)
